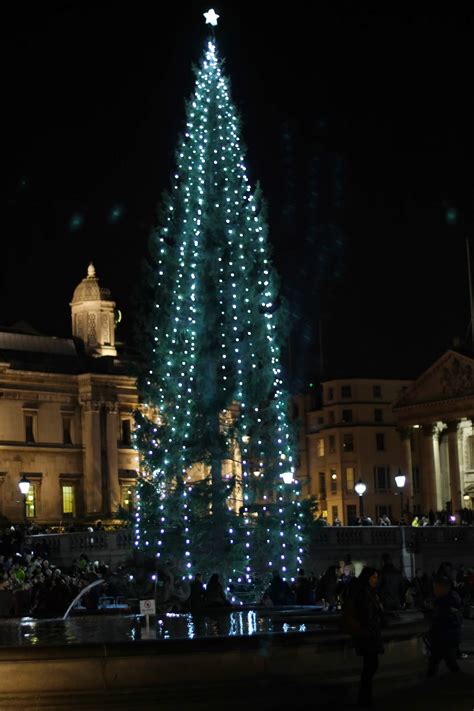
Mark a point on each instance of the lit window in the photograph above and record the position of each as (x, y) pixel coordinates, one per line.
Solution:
(320, 447)
(31, 501)
(68, 500)
(127, 497)
(350, 478)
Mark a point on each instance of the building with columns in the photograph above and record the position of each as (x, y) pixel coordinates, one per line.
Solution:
(435, 416)
(66, 409)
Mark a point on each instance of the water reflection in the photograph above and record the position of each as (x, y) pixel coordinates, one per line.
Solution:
(29, 632)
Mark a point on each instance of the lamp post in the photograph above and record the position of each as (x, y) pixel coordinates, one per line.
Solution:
(360, 489)
(400, 481)
(24, 486)
(287, 477)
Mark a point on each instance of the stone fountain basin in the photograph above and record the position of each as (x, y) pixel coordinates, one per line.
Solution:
(323, 658)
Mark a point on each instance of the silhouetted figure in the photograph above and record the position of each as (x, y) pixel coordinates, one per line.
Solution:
(215, 595)
(197, 597)
(391, 585)
(279, 591)
(446, 627)
(363, 619)
(303, 589)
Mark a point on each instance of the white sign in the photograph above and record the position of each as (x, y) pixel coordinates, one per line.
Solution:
(147, 607)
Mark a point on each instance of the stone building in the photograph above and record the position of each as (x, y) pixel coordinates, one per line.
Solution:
(66, 417)
(351, 434)
(436, 415)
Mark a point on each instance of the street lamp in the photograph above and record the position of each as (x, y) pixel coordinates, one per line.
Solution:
(400, 481)
(360, 489)
(287, 477)
(24, 486)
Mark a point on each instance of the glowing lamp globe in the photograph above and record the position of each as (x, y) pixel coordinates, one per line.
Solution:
(287, 477)
(400, 480)
(24, 485)
(360, 488)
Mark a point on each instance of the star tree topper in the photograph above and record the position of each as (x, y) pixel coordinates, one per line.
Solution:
(211, 17)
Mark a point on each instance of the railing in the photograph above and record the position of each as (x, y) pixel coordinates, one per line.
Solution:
(116, 546)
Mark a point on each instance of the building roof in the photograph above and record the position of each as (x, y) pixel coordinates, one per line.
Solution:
(36, 344)
(89, 289)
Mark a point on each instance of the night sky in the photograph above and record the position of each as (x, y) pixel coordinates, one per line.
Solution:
(359, 124)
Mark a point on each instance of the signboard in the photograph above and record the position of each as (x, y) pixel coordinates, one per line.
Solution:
(147, 607)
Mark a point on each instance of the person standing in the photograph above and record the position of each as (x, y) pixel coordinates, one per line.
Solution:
(446, 626)
(197, 596)
(363, 617)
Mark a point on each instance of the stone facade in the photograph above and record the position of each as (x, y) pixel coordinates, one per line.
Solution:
(435, 415)
(352, 434)
(65, 422)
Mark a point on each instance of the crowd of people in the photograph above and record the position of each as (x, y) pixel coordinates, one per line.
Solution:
(31, 585)
(431, 518)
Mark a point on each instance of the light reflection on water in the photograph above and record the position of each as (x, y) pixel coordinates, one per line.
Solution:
(29, 632)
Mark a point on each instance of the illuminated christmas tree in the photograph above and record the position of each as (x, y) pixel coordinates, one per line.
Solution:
(215, 441)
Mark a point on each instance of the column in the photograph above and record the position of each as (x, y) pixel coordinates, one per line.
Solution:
(113, 489)
(405, 435)
(428, 479)
(92, 458)
(437, 466)
(454, 472)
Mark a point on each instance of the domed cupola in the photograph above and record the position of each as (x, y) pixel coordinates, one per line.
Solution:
(93, 316)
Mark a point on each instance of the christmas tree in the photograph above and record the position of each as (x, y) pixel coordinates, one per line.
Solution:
(214, 440)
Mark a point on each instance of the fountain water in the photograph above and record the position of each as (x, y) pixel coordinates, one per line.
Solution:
(78, 597)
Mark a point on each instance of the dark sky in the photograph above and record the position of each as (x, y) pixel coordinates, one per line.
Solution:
(359, 124)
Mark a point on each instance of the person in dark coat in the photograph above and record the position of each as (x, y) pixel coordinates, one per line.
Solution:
(329, 587)
(446, 626)
(197, 596)
(391, 585)
(215, 595)
(363, 618)
(279, 591)
(303, 589)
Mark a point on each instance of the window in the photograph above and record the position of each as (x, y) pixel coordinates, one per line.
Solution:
(348, 443)
(127, 497)
(69, 500)
(378, 415)
(320, 447)
(380, 441)
(377, 391)
(330, 393)
(346, 391)
(31, 501)
(322, 484)
(67, 422)
(347, 415)
(332, 417)
(332, 444)
(383, 510)
(320, 420)
(416, 479)
(333, 482)
(350, 479)
(127, 432)
(334, 513)
(470, 444)
(30, 428)
(351, 514)
(381, 478)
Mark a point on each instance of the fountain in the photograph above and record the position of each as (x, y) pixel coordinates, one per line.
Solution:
(81, 594)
